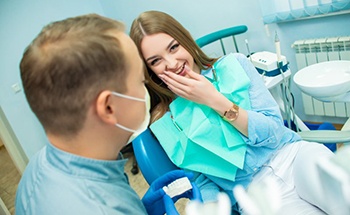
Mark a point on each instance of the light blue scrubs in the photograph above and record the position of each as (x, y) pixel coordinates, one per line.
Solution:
(59, 183)
(266, 135)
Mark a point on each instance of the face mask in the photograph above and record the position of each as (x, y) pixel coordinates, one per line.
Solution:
(145, 122)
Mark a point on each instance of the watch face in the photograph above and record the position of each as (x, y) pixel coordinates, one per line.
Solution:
(232, 113)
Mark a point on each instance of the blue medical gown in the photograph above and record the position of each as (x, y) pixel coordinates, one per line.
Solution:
(56, 182)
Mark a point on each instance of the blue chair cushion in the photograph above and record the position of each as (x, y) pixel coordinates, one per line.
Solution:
(151, 157)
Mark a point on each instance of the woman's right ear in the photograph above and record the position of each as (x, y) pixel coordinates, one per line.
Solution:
(105, 108)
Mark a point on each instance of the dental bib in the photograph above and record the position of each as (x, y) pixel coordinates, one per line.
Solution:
(195, 137)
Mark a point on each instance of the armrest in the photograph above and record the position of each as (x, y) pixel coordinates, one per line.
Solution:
(346, 126)
(324, 136)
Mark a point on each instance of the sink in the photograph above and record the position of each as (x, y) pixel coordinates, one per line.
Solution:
(327, 81)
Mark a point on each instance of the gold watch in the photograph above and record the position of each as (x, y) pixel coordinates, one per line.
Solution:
(232, 113)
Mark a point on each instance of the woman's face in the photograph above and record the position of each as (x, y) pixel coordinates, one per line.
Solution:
(163, 53)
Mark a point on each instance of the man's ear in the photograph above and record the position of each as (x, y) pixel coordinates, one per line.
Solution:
(105, 109)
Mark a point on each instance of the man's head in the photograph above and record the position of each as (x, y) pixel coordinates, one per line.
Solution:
(66, 67)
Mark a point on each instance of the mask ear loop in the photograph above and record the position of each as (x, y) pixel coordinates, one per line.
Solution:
(128, 97)
(125, 128)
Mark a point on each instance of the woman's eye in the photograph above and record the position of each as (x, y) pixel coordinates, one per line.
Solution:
(174, 47)
(153, 62)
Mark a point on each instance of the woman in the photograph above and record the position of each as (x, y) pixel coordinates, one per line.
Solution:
(233, 93)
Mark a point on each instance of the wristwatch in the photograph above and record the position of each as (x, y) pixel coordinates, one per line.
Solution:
(232, 113)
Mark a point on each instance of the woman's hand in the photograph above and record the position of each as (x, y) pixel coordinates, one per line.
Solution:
(197, 88)
(194, 87)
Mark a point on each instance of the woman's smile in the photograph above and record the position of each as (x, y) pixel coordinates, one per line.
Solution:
(181, 71)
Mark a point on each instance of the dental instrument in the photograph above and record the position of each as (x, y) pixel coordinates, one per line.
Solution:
(278, 49)
(249, 53)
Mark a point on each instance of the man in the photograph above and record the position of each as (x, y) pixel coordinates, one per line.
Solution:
(84, 80)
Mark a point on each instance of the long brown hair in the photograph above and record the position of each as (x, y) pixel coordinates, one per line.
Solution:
(154, 22)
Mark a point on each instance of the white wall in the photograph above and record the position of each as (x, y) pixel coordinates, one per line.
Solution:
(201, 17)
(20, 22)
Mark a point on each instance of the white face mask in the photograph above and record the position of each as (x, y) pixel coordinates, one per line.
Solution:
(145, 122)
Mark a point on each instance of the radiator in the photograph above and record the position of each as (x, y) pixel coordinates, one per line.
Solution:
(313, 51)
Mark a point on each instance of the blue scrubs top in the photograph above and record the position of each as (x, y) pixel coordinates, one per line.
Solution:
(57, 182)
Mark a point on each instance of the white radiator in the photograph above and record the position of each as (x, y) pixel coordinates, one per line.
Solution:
(313, 51)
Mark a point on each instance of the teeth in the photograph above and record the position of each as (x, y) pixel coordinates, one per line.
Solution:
(180, 70)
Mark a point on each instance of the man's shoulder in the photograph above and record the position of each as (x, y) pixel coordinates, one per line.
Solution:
(34, 162)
